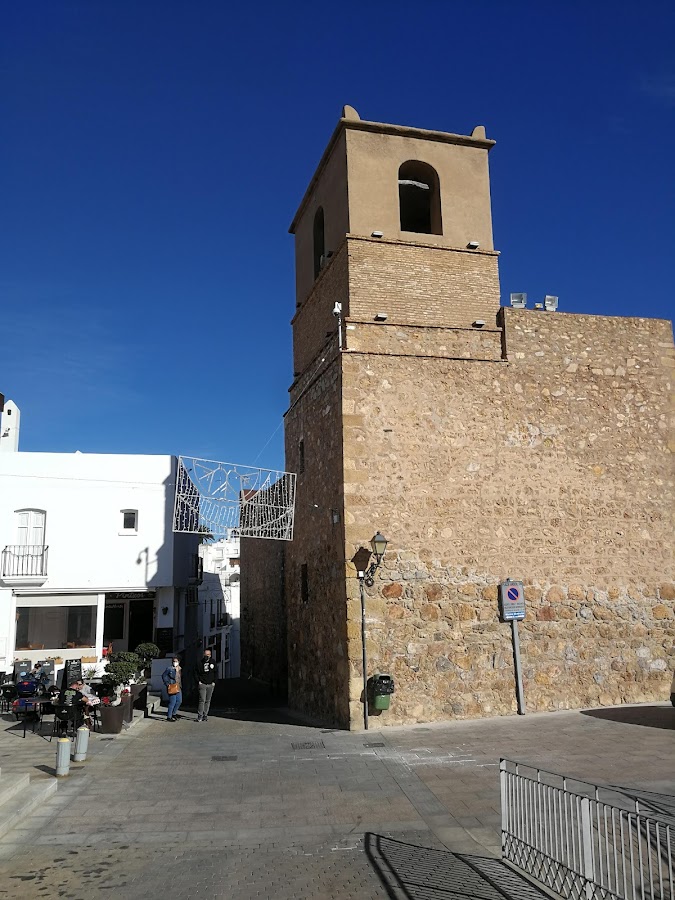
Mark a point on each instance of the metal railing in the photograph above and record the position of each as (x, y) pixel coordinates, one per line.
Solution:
(24, 561)
(583, 841)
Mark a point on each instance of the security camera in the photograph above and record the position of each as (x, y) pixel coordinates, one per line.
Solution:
(337, 309)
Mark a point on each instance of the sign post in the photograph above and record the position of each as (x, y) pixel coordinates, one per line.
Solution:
(512, 609)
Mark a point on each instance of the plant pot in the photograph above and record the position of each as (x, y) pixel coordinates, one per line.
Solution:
(128, 709)
(139, 696)
(112, 718)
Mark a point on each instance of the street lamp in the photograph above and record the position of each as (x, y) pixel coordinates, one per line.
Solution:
(366, 577)
(379, 545)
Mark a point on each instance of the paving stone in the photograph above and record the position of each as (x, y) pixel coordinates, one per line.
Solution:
(417, 818)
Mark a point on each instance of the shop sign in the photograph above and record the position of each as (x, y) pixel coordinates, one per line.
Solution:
(72, 671)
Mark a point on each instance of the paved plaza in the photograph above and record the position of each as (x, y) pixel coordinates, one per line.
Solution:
(250, 805)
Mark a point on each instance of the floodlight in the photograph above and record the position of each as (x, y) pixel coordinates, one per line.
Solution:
(381, 317)
(478, 323)
(473, 245)
(519, 301)
(550, 302)
(377, 234)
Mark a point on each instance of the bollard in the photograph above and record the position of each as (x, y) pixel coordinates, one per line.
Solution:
(62, 756)
(81, 744)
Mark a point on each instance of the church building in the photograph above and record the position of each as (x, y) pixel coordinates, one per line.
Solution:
(486, 442)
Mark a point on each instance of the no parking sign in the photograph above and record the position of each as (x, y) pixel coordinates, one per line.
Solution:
(511, 600)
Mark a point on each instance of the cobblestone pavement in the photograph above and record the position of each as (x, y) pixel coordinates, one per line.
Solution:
(238, 809)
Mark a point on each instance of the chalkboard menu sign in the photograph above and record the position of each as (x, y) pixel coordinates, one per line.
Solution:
(72, 671)
(164, 640)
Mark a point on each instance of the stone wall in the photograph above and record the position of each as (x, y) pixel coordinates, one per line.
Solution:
(263, 612)
(553, 465)
(447, 343)
(317, 639)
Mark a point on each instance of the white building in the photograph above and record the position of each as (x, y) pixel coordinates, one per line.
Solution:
(89, 557)
(218, 599)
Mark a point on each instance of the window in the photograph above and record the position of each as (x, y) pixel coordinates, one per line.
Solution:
(301, 457)
(319, 242)
(55, 627)
(129, 521)
(31, 527)
(419, 198)
(304, 583)
(234, 560)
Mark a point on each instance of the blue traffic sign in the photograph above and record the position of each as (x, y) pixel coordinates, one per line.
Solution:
(512, 600)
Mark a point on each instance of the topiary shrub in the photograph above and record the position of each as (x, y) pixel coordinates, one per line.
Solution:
(118, 673)
(132, 659)
(148, 652)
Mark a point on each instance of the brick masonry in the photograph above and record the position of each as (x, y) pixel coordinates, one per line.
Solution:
(314, 319)
(419, 284)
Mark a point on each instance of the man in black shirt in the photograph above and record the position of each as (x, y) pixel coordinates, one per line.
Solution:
(205, 672)
(74, 701)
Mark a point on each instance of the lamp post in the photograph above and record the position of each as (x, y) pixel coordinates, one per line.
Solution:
(367, 577)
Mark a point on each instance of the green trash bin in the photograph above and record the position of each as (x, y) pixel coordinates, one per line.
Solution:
(381, 687)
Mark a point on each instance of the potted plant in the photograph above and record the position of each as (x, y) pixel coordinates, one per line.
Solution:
(127, 706)
(147, 652)
(112, 716)
(118, 708)
(131, 659)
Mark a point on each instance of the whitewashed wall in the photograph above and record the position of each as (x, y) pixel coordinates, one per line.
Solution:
(90, 552)
(83, 495)
(218, 583)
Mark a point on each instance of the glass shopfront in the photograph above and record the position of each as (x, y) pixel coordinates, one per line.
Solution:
(52, 627)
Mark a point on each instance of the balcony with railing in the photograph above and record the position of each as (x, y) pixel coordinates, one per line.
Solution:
(24, 564)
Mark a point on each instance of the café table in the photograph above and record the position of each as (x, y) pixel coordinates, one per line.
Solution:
(33, 705)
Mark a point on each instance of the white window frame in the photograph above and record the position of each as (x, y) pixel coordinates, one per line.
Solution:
(129, 531)
(34, 527)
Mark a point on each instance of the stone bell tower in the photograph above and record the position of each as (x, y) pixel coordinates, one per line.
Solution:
(394, 265)
(484, 443)
(395, 221)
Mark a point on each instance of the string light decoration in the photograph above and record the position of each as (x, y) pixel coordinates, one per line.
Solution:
(213, 498)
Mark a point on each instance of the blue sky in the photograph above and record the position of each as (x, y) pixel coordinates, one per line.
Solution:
(154, 154)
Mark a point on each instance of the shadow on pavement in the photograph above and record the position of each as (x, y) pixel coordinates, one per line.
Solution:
(245, 700)
(649, 716)
(658, 802)
(409, 872)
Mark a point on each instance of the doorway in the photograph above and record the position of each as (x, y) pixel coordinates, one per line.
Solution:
(141, 621)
